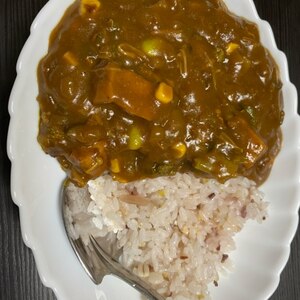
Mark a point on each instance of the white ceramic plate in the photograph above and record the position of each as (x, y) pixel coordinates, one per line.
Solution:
(36, 180)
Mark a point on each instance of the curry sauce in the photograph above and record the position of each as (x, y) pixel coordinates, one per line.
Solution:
(149, 88)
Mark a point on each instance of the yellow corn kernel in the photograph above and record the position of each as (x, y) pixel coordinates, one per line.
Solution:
(184, 230)
(135, 139)
(161, 193)
(164, 93)
(115, 165)
(70, 58)
(89, 6)
(231, 47)
(180, 150)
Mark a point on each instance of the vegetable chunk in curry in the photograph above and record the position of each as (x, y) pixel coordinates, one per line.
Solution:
(145, 88)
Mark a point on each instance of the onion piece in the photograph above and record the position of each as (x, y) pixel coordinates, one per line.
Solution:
(131, 52)
(183, 63)
(135, 199)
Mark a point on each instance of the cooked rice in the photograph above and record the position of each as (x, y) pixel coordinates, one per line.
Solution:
(180, 233)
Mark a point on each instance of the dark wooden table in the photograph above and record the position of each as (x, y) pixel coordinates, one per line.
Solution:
(18, 275)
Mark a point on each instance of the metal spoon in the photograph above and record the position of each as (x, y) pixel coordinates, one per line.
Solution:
(101, 256)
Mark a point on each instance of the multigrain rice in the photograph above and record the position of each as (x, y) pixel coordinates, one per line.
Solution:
(175, 232)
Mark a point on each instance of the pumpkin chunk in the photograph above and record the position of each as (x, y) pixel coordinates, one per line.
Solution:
(129, 91)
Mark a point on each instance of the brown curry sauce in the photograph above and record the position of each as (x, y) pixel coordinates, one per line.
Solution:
(149, 88)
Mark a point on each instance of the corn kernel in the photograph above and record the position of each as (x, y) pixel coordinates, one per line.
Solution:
(115, 165)
(89, 6)
(70, 58)
(180, 150)
(185, 230)
(231, 47)
(135, 139)
(164, 93)
(161, 193)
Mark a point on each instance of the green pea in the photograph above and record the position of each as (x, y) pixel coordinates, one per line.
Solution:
(135, 139)
(153, 47)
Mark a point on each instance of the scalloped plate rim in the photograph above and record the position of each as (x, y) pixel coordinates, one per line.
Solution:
(15, 180)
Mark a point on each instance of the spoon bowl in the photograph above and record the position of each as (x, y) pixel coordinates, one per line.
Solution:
(100, 255)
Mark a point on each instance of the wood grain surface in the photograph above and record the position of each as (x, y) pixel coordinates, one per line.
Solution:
(19, 279)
